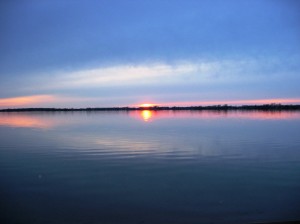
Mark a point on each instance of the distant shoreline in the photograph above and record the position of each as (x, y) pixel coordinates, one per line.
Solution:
(264, 107)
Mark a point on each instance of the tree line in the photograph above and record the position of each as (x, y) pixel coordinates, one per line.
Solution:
(225, 107)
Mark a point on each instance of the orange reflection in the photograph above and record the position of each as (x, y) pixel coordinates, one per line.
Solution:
(146, 114)
(25, 121)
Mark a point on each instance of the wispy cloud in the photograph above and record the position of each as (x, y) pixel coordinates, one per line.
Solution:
(27, 100)
(181, 72)
(120, 75)
(55, 101)
(188, 80)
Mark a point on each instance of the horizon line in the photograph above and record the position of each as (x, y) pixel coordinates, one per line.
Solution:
(271, 106)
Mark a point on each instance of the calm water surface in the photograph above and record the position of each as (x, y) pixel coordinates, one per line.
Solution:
(149, 167)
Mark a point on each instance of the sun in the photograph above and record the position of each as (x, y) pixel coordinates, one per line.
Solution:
(147, 105)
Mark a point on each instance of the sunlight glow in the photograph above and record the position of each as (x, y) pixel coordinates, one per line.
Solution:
(146, 115)
(147, 105)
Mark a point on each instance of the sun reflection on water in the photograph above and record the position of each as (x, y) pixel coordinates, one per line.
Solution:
(146, 115)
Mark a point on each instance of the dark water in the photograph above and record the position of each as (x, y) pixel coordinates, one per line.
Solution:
(149, 167)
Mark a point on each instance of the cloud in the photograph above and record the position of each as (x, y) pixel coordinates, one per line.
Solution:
(62, 101)
(26, 101)
(177, 81)
(59, 101)
(161, 73)
(120, 75)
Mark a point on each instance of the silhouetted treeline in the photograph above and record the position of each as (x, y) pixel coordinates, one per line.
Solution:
(264, 107)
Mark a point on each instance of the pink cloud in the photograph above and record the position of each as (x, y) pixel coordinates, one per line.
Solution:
(27, 101)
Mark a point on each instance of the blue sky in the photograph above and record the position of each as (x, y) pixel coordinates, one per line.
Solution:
(127, 52)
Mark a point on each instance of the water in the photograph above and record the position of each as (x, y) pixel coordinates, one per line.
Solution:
(149, 167)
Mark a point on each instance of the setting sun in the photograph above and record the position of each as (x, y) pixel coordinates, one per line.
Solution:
(147, 105)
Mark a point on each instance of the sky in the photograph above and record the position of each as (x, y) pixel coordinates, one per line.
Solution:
(85, 53)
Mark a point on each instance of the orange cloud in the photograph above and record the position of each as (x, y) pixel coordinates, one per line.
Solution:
(26, 101)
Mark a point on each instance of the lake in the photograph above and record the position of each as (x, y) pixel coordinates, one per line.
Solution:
(149, 167)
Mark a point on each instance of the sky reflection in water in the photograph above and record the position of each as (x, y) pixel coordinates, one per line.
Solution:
(149, 167)
(47, 120)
